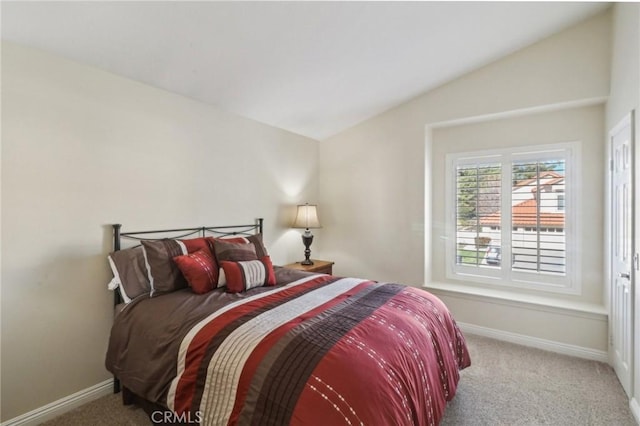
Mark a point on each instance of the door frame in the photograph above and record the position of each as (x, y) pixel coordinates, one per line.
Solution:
(628, 119)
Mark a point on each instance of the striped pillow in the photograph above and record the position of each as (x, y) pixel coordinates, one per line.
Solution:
(199, 269)
(235, 248)
(164, 274)
(245, 275)
(226, 251)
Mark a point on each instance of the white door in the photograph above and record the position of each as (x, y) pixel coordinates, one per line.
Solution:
(622, 252)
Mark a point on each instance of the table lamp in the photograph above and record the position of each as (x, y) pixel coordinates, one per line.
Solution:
(307, 217)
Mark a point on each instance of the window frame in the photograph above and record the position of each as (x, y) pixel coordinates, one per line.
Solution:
(570, 282)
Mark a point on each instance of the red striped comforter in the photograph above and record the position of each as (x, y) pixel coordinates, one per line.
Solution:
(321, 351)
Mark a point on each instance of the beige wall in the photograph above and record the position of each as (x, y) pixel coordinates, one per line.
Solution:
(625, 62)
(376, 178)
(81, 149)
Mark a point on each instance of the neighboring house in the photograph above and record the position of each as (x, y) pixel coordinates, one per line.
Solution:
(525, 217)
(538, 222)
(537, 218)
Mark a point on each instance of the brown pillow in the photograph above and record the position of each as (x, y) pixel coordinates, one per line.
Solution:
(164, 274)
(256, 240)
(129, 273)
(234, 252)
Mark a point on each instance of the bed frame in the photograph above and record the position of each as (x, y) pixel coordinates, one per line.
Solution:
(202, 231)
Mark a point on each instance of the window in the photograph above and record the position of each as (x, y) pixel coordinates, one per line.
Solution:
(518, 205)
(560, 202)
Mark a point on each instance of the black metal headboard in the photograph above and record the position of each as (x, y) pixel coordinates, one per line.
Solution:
(202, 231)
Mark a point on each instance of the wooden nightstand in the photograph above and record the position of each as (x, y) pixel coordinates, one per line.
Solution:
(319, 266)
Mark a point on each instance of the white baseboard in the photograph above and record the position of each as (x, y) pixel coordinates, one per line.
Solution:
(61, 406)
(535, 342)
(635, 409)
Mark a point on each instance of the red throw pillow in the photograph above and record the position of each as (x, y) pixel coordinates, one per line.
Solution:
(245, 275)
(195, 244)
(199, 269)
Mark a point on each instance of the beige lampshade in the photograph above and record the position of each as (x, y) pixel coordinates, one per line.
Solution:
(306, 217)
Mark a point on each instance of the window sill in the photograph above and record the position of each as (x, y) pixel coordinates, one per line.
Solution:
(513, 298)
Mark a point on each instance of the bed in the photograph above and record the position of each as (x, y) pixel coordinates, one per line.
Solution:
(218, 335)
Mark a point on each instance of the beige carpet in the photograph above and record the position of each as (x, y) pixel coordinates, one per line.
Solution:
(506, 385)
(514, 385)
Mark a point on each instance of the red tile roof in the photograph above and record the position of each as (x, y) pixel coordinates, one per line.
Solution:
(524, 214)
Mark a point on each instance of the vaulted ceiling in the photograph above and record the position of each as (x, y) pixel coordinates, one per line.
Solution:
(313, 68)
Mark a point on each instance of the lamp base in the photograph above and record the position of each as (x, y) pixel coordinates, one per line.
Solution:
(307, 239)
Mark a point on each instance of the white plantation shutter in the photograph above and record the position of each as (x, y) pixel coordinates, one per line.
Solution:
(477, 201)
(512, 217)
(538, 238)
